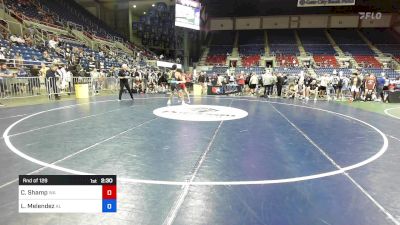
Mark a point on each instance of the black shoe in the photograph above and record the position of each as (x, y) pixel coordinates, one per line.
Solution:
(1, 104)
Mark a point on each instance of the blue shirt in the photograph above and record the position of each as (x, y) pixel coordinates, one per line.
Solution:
(381, 81)
(22, 73)
(6, 72)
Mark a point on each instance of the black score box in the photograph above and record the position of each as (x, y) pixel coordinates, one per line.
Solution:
(67, 193)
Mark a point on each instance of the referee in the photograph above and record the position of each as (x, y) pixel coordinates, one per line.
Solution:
(173, 86)
(123, 76)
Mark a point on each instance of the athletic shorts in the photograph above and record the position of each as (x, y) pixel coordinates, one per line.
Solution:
(252, 86)
(182, 86)
(175, 87)
(355, 89)
(321, 88)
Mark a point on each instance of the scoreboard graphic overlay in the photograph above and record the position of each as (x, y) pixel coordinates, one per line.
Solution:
(67, 194)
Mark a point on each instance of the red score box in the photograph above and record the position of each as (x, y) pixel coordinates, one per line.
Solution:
(109, 191)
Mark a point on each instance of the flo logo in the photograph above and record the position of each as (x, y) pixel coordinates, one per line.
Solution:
(370, 15)
(200, 113)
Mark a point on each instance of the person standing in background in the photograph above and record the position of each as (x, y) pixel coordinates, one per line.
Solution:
(95, 75)
(4, 73)
(202, 81)
(268, 82)
(123, 76)
(34, 83)
(42, 73)
(355, 83)
(52, 80)
(241, 82)
(380, 83)
(253, 83)
(280, 80)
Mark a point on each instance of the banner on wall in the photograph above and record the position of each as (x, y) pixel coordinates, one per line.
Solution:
(168, 64)
(316, 3)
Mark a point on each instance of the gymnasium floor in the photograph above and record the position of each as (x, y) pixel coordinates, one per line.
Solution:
(287, 162)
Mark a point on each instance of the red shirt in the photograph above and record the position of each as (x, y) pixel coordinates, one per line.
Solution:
(370, 83)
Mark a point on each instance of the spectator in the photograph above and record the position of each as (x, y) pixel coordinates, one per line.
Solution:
(241, 81)
(46, 56)
(19, 61)
(52, 80)
(22, 72)
(355, 83)
(28, 40)
(268, 81)
(280, 80)
(323, 84)
(95, 75)
(53, 43)
(4, 73)
(253, 83)
(2, 55)
(34, 82)
(14, 39)
(65, 78)
(379, 86)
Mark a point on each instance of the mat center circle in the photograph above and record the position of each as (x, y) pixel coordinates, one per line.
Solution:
(200, 113)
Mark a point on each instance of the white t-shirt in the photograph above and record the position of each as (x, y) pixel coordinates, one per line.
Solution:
(324, 81)
(254, 80)
(53, 44)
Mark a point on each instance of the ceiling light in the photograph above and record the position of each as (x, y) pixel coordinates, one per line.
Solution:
(144, 13)
(153, 5)
(134, 6)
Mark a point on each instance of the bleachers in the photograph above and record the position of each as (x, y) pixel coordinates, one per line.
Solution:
(220, 50)
(249, 61)
(217, 70)
(287, 60)
(251, 37)
(73, 12)
(350, 41)
(362, 49)
(381, 36)
(216, 60)
(281, 37)
(313, 36)
(223, 38)
(248, 50)
(367, 61)
(217, 54)
(27, 53)
(288, 70)
(393, 49)
(384, 39)
(322, 71)
(325, 61)
(248, 70)
(26, 8)
(319, 49)
(282, 42)
(221, 46)
(284, 49)
(157, 28)
(315, 42)
(346, 36)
